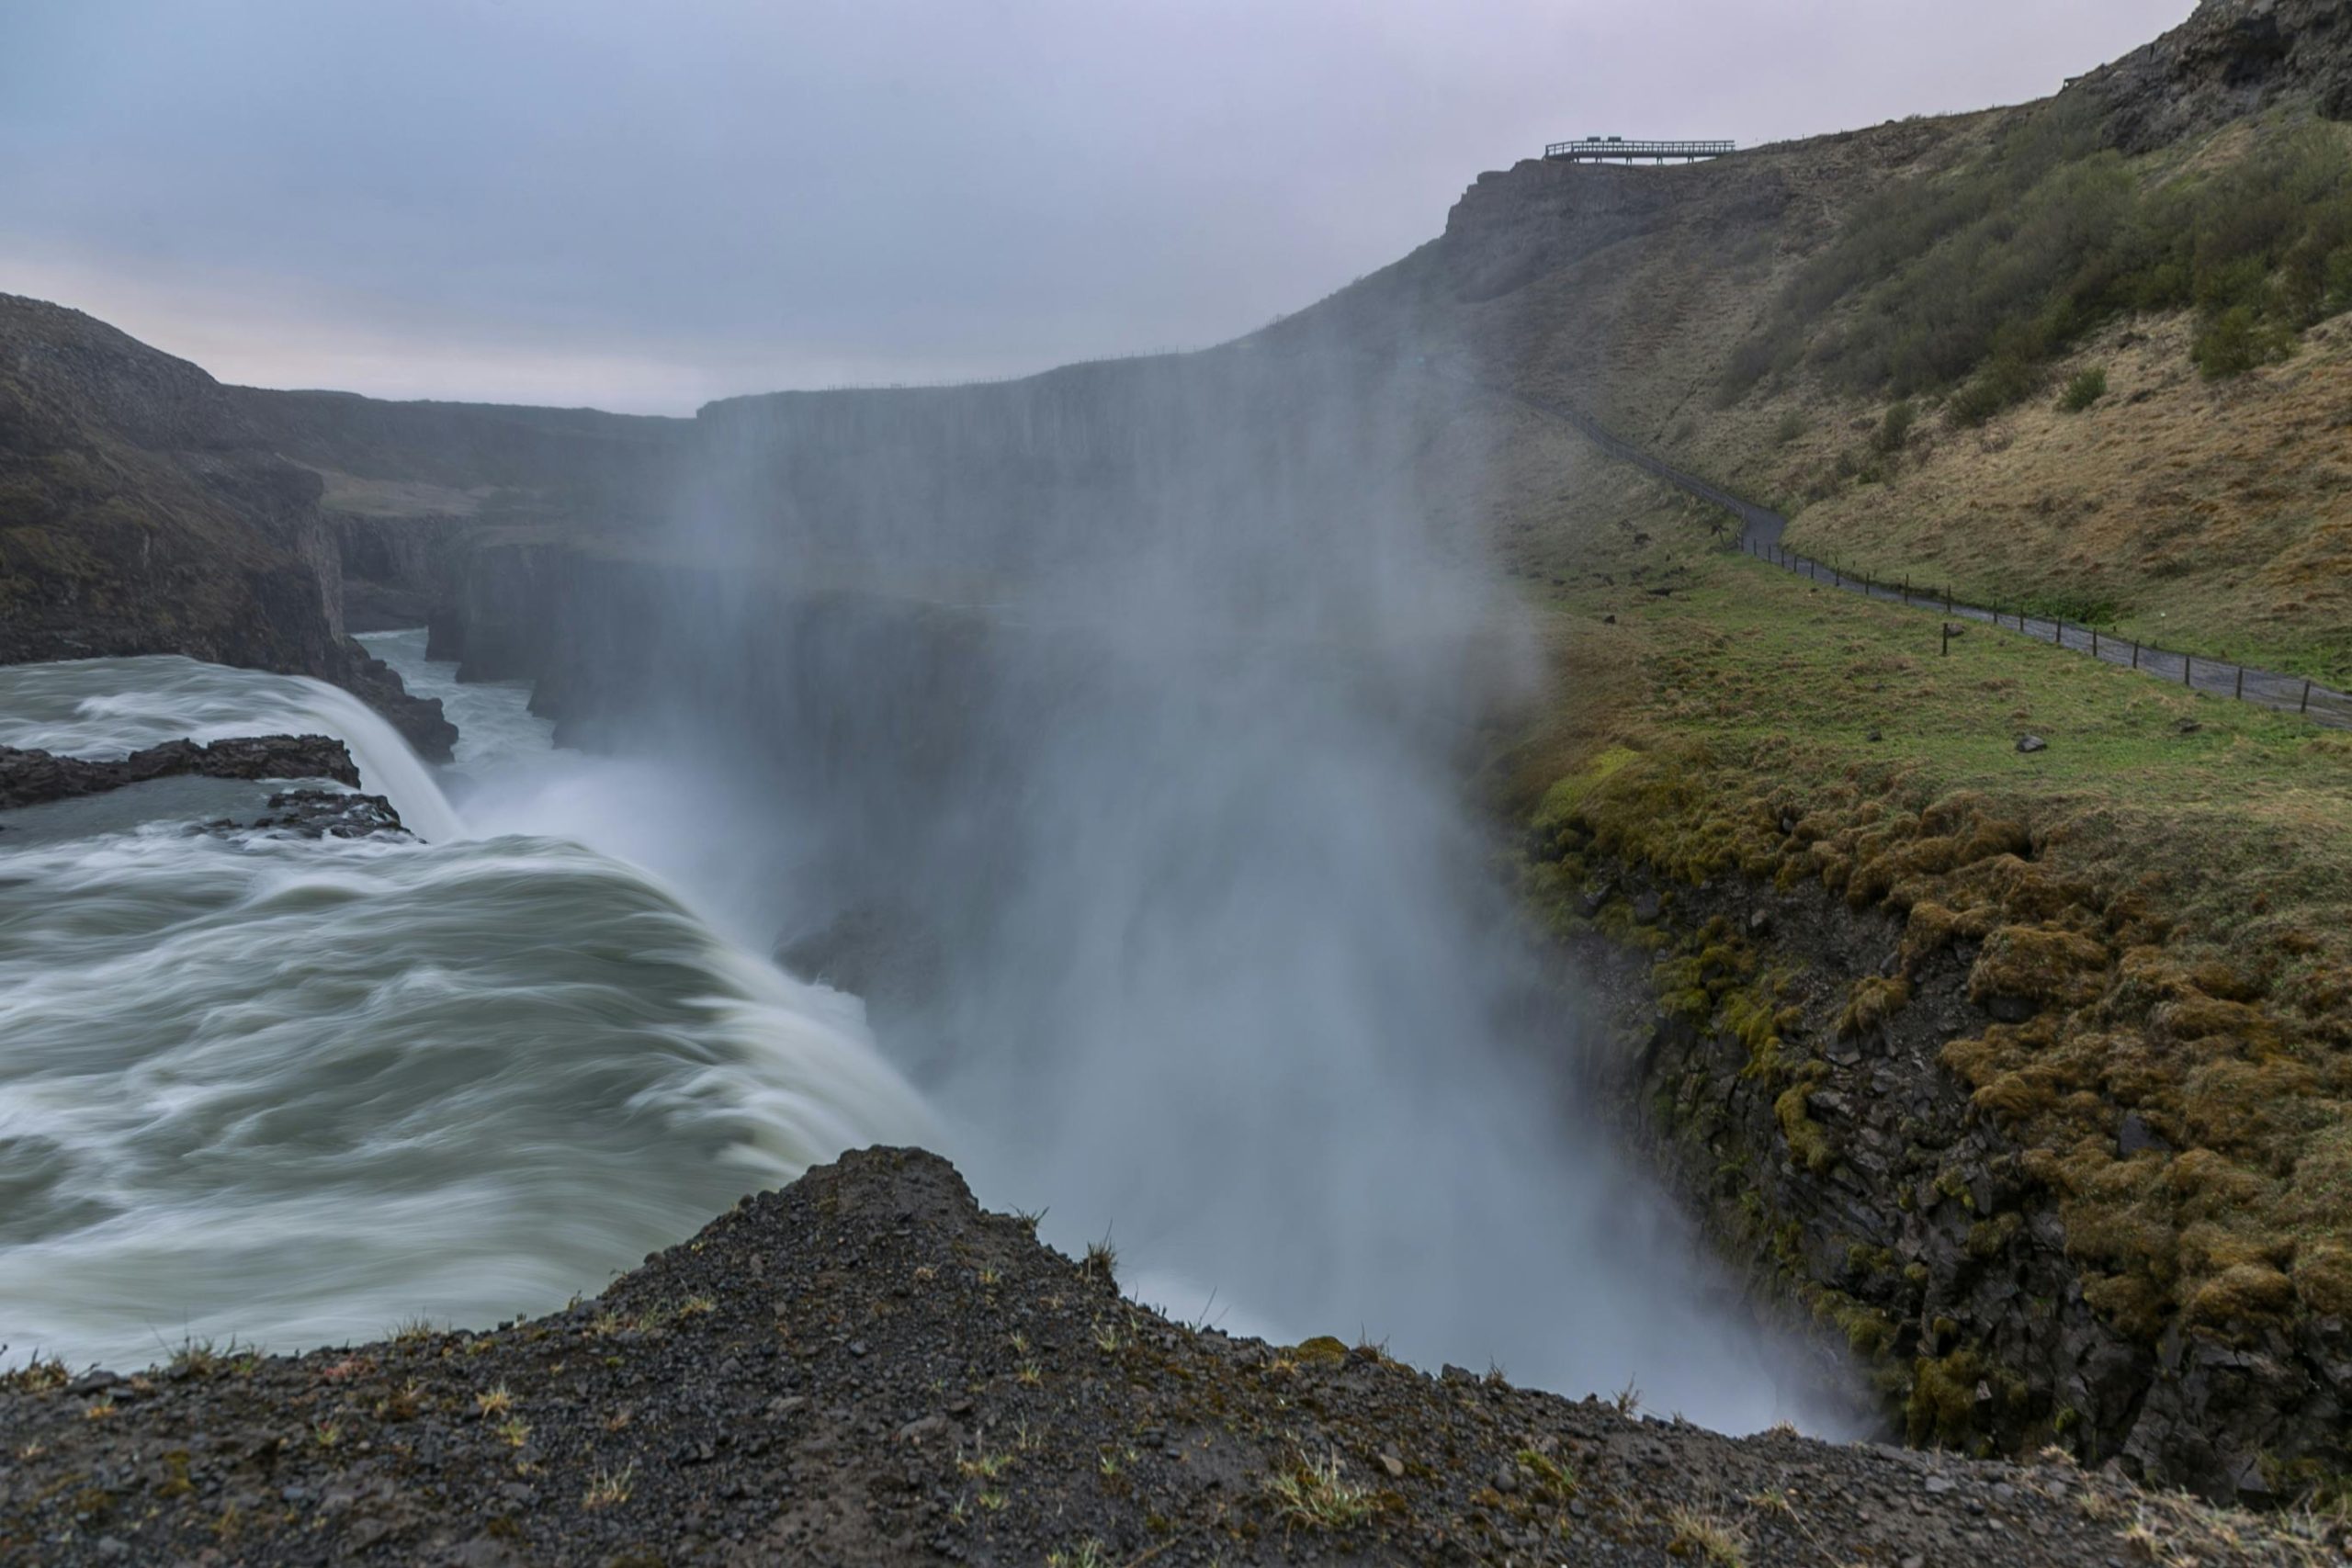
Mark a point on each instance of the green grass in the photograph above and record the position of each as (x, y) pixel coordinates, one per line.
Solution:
(2167, 880)
(1756, 656)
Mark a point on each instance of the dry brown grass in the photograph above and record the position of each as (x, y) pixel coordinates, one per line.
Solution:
(2213, 516)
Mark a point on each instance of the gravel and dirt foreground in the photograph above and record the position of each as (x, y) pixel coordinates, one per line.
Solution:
(866, 1367)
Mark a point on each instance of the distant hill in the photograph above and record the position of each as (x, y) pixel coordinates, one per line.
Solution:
(2090, 354)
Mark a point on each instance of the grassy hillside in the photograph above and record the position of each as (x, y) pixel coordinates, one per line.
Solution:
(2051, 354)
(2163, 888)
(2091, 357)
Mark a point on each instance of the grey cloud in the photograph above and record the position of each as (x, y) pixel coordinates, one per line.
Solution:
(646, 204)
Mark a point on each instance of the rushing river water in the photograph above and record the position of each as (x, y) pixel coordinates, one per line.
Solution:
(294, 1092)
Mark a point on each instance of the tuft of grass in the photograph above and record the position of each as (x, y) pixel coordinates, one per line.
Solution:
(1102, 1259)
(513, 1431)
(199, 1359)
(983, 1465)
(1706, 1536)
(498, 1401)
(1315, 1494)
(1554, 1480)
(610, 1488)
(1087, 1553)
(37, 1376)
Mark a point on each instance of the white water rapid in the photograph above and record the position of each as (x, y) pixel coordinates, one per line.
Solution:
(292, 1091)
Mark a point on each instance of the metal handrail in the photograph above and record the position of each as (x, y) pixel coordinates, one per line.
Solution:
(1617, 147)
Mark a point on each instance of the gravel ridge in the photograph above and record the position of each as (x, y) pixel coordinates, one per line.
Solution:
(864, 1367)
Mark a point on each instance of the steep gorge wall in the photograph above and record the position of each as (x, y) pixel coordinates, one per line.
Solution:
(140, 513)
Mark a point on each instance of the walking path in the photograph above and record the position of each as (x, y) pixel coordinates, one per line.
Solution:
(1762, 529)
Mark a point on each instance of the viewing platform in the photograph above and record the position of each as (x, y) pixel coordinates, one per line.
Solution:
(1608, 149)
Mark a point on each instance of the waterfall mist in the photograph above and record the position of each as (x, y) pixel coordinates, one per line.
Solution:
(1107, 731)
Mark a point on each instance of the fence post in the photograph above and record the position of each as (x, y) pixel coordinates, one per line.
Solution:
(2135, 653)
(2058, 631)
(2188, 670)
(2307, 698)
(2241, 691)
(2094, 642)
(1947, 598)
(1947, 650)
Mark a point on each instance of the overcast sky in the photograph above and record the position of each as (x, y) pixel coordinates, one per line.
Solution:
(642, 205)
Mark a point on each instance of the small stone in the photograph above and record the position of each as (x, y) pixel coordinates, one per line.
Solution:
(2134, 1135)
(1937, 1485)
(1506, 1479)
(1647, 908)
(857, 1347)
(2032, 743)
(1394, 1466)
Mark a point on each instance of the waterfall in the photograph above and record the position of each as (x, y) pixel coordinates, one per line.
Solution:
(110, 708)
(295, 1092)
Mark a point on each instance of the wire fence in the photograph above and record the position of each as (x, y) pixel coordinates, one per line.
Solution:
(1762, 529)
(2215, 677)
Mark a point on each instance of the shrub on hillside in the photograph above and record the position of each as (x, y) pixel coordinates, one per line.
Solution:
(2238, 341)
(2006, 378)
(2088, 387)
(1895, 429)
(1974, 276)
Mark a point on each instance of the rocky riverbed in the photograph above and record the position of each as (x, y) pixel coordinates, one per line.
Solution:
(867, 1368)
